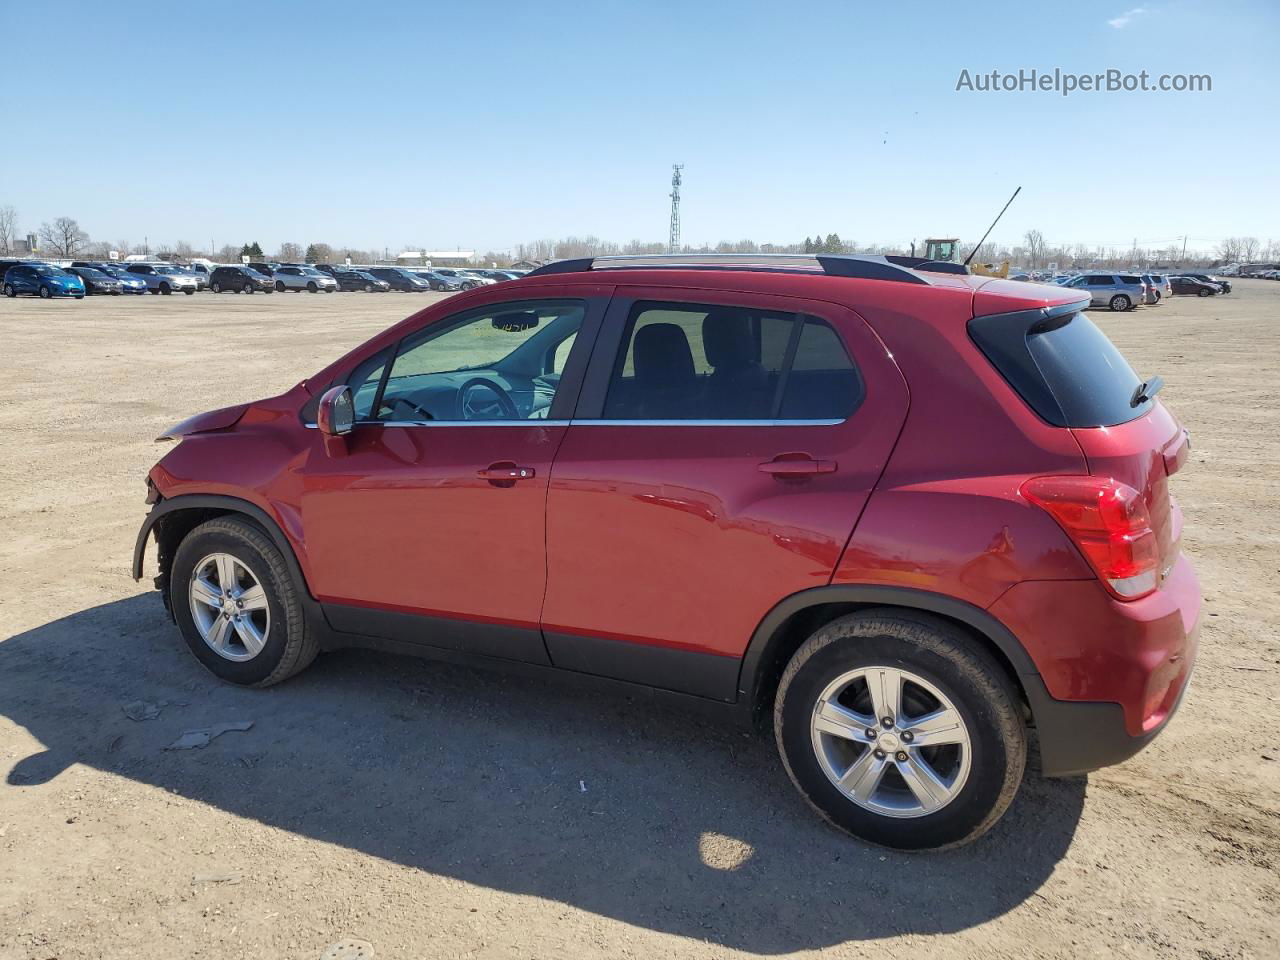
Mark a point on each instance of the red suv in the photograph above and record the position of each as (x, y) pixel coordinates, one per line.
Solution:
(902, 512)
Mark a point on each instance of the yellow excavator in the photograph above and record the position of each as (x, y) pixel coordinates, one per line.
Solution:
(947, 250)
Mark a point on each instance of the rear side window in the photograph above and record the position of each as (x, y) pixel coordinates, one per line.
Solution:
(707, 362)
(1100, 281)
(1064, 367)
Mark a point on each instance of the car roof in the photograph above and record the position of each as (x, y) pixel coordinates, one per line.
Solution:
(882, 280)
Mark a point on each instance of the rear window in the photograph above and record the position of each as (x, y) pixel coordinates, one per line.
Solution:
(1064, 367)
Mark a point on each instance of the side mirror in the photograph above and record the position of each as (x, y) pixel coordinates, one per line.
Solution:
(336, 414)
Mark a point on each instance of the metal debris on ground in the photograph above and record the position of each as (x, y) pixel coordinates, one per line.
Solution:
(230, 877)
(199, 739)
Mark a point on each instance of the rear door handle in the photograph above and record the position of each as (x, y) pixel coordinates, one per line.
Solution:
(505, 473)
(797, 465)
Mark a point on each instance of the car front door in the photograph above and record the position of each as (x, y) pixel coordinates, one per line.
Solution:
(430, 529)
(720, 454)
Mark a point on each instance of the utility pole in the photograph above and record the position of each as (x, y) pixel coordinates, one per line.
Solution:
(1184, 250)
(673, 235)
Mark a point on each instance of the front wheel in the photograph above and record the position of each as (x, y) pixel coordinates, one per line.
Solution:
(1205, 293)
(45, 293)
(900, 730)
(237, 605)
(368, 288)
(1120, 302)
(247, 288)
(165, 289)
(311, 287)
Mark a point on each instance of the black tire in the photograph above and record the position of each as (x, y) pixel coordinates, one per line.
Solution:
(247, 288)
(9, 291)
(165, 289)
(950, 660)
(216, 287)
(279, 286)
(290, 645)
(311, 287)
(45, 293)
(1204, 293)
(368, 288)
(189, 292)
(1120, 303)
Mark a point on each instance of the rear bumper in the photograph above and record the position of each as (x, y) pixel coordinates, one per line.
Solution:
(1109, 673)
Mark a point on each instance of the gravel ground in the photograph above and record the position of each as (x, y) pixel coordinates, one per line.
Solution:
(435, 811)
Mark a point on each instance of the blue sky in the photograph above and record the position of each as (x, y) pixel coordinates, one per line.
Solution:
(446, 125)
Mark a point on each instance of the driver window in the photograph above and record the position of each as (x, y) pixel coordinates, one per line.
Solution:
(484, 365)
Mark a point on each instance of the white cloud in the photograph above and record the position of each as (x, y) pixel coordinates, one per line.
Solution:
(1122, 21)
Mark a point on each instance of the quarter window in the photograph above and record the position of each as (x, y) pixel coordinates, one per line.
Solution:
(707, 362)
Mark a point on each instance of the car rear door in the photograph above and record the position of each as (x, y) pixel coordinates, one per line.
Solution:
(721, 452)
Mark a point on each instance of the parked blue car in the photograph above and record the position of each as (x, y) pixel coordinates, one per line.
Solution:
(42, 280)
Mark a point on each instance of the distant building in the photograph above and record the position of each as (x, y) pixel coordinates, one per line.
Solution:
(422, 258)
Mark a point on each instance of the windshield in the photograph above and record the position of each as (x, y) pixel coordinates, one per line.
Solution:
(47, 271)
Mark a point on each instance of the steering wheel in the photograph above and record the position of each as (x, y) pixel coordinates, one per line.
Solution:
(469, 408)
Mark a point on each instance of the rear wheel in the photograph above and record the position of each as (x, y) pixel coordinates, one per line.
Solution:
(9, 291)
(237, 605)
(279, 286)
(216, 287)
(900, 730)
(1120, 302)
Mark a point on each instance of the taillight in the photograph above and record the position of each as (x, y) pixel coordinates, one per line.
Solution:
(1108, 521)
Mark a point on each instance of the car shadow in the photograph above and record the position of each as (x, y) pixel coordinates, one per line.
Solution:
(610, 804)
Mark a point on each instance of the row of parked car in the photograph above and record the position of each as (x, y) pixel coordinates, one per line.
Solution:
(83, 277)
(1124, 291)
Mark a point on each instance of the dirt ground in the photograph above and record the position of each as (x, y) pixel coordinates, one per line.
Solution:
(434, 811)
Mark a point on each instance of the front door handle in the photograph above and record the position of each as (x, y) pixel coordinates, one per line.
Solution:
(505, 473)
(793, 465)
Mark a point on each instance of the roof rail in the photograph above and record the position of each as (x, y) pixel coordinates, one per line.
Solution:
(899, 269)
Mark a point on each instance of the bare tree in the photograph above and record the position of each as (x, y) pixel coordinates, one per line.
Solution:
(184, 250)
(1229, 250)
(1249, 249)
(290, 252)
(8, 228)
(1034, 242)
(64, 236)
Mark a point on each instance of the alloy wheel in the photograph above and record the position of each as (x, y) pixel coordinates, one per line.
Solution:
(891, 741)
(229, 607)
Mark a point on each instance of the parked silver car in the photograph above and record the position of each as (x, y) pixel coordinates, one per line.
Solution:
(303, 278)
(1119, 291)
(164, 278)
